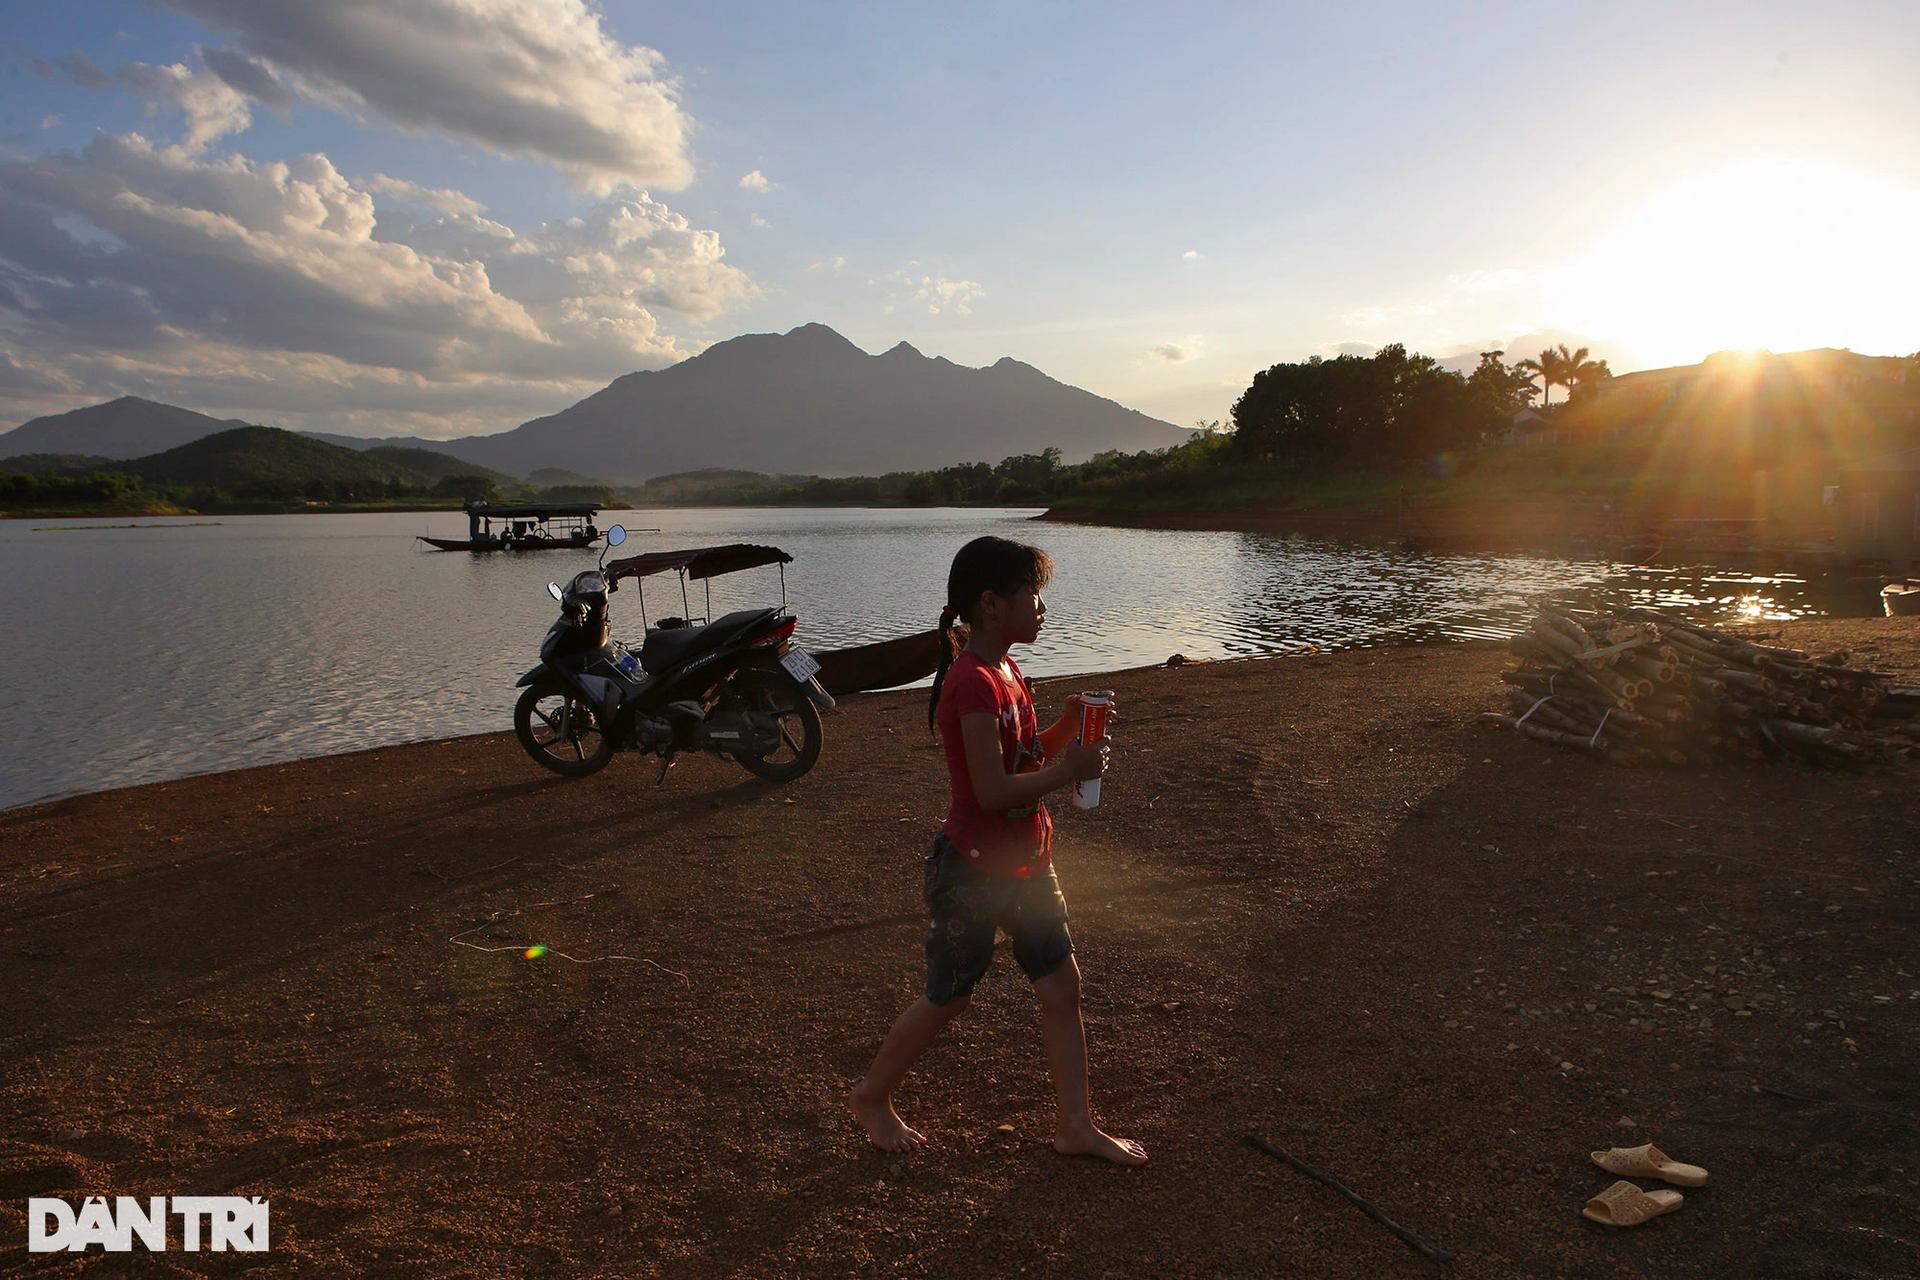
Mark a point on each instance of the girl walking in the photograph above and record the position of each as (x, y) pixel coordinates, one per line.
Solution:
(991, 867)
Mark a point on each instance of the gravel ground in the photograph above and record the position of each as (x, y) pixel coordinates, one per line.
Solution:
(1317, 903)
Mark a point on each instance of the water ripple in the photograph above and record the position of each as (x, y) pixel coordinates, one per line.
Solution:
(135, 655)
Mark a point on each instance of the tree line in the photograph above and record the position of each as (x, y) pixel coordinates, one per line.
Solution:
(1394, 407)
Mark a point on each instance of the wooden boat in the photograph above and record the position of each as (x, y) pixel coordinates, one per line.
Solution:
(884, 665)
(541, 527)
(1901, 599)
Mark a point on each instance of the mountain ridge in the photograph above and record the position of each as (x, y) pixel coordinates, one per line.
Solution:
(808, 401)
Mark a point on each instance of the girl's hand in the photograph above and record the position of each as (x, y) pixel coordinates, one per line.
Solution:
(1087, 761)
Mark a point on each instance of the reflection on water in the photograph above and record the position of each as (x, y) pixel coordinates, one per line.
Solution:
(180, 647)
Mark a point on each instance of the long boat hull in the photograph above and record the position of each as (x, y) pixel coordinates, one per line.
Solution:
(884, 665)
(494, 544)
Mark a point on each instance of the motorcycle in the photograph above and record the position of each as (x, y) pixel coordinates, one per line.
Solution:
(736, 687)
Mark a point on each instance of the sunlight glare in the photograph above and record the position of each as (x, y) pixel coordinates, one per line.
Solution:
(1776, 254)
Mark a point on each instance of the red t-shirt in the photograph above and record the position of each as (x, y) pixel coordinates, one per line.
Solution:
(990, 840)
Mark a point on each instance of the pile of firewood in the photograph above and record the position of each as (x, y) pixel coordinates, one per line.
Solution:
(1644, 688)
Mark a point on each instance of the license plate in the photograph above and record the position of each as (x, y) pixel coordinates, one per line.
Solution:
(799, 664)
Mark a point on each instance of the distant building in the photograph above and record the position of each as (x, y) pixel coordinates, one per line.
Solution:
(1528, 426)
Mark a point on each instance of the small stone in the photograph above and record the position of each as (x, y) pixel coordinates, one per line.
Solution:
(1451, 1024)
(1171, 1005)
(1835, 907)
(1491, 848)
(1590, 1006)
(1661, 995)
(1006, 1129)
(1735, 1003)
(1625, 1122)
(1566, 1066)
(72, 1135)
(1743, 1013)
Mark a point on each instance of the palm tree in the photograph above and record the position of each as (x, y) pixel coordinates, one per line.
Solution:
(1557, 366)
(1584, 375)
(1549, 366)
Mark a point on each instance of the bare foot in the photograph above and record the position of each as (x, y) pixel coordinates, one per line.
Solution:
(1092, 1142)
(883, 1124)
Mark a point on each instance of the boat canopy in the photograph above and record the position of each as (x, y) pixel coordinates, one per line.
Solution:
(536, 511)
(698, 562)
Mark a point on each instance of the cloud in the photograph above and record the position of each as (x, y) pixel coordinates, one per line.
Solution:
(758, 223)
(836, 263)
(80, 69)
(212, 107)
(445, 199)
(1179, 352)
(540, 79)
(49, 122)
(1191, 255)
(939, 293)
(249, 76)
(936, 293)
(756, 181)
(133, 268)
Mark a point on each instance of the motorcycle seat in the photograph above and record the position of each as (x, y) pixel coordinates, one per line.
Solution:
(669, 647)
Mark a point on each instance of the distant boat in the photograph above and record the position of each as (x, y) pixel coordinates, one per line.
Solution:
(1900, 599)
(884, 665)
(540, 527)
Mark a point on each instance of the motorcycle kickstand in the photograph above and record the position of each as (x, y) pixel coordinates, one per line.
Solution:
(666, 763)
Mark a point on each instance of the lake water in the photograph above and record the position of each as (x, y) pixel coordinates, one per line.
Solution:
(186, 646)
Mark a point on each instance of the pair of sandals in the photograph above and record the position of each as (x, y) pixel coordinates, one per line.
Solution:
(1625, 1205)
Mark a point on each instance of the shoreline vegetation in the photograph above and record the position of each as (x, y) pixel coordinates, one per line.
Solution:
(1389, 445)
(635, 1044)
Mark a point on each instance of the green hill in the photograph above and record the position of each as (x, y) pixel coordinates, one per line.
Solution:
(547, 477)
(434, 465)
(269, 462)
(66, 464)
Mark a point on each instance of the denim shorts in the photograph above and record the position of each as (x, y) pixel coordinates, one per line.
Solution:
(969, 906)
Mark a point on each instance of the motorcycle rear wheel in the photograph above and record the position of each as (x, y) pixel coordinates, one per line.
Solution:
(777, 694)
(582, 749)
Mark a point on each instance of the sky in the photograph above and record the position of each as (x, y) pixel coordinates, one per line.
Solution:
(446, 217)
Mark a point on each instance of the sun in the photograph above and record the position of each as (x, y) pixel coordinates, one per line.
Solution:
(1781, 254)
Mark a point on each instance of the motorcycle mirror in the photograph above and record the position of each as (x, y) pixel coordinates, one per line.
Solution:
(616, 535)
(553, 589)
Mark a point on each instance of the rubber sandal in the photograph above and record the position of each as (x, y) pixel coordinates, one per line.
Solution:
(1650, 1162)
(1625, 1205)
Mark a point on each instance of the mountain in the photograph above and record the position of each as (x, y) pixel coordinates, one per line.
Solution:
(806, 402)
(364, 443)
(262, 458)
(44, 464)
(125, 428)
(431, 464)
(810, 402)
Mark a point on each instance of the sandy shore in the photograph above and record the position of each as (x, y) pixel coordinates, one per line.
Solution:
(1318, 904)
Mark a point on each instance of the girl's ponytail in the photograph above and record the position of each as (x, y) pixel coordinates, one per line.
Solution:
(947, 616)
(999, 565)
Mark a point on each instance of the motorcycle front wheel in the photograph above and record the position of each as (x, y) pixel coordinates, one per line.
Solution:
(561, 730)
(779, 696)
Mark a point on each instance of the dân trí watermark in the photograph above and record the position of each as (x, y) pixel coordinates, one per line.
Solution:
(230, 1222)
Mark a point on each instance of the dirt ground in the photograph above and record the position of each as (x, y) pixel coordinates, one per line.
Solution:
(1318, 903)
